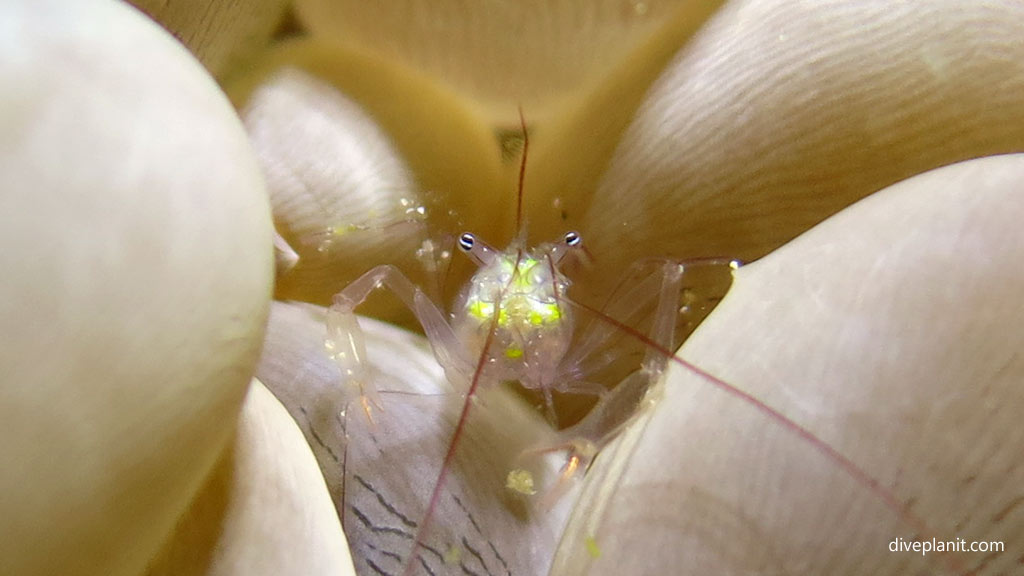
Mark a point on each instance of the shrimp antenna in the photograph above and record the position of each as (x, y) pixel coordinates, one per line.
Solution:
(522, 176)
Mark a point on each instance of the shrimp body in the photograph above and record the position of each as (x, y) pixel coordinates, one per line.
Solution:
(520, 295)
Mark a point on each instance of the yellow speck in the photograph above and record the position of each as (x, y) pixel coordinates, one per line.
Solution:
(520, 481)
(343, 229)
(513, 352)
(544, 313)
(523, 277)
(484, 311)
(480, 310)
(453, 555)
(592, 548)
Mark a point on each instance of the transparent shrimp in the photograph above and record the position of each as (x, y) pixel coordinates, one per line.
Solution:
(514, 322)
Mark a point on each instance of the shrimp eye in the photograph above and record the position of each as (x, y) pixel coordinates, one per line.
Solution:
(467, 241)
(572, 239)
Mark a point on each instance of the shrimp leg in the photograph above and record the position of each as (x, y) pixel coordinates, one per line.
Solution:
(345, 341)
(615, 407)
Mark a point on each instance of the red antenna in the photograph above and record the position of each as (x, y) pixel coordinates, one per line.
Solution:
(522, 176)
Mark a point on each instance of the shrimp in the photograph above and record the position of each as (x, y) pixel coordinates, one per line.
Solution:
(513, 322)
